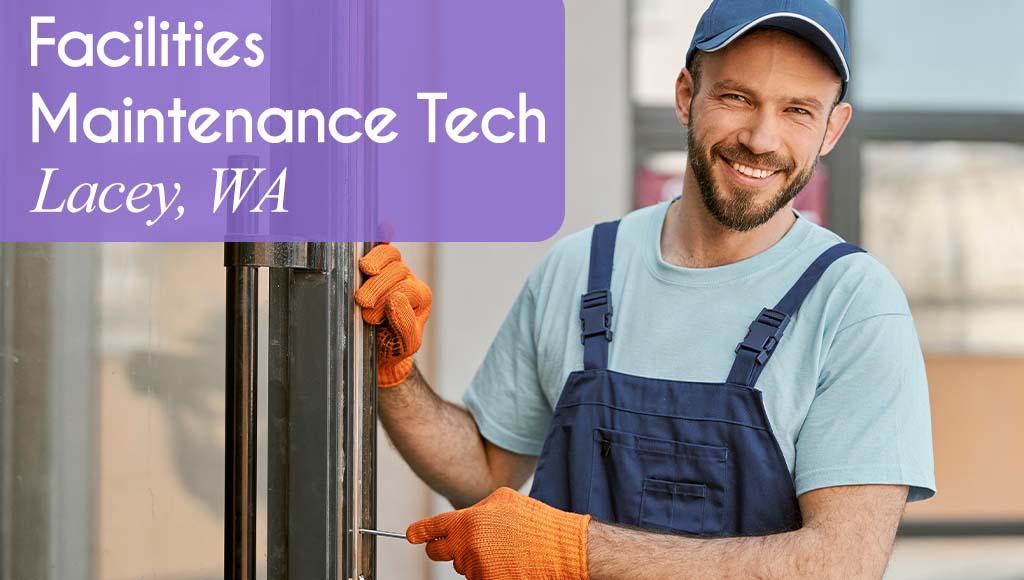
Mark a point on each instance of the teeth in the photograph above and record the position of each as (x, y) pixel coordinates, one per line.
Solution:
(750, 171)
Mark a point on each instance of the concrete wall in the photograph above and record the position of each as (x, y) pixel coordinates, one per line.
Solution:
(474, 284)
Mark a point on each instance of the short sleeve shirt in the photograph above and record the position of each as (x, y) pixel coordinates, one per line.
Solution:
(845, 392)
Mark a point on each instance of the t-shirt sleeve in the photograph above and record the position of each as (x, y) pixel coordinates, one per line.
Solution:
(505, 396)
(869, 422)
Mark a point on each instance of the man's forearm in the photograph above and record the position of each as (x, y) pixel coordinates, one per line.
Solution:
(439, 440)
(616, 553)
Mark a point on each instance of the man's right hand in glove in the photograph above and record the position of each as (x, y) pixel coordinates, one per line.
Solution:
(438, 439)
(399, 304)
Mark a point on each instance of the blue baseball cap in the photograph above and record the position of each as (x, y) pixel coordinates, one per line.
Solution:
(815, 21)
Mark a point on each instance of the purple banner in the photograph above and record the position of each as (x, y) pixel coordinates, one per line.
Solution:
(322, 120)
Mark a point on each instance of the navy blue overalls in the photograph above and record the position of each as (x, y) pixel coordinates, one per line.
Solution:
(665, 455)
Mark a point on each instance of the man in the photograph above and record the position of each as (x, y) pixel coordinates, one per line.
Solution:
(661, 448)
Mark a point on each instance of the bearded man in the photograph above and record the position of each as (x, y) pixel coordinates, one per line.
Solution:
(712, 387)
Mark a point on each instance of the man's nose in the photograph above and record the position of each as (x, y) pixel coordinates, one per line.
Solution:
(761, 134)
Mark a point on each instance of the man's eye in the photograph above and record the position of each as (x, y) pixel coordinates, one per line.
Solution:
(800, 111)
(734, 97)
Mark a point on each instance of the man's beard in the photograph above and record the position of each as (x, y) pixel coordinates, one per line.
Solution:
(739, 211)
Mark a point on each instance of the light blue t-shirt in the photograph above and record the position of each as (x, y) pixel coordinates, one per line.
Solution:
(845, 391)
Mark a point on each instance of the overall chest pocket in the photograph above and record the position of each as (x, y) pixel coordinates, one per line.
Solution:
(657, 484)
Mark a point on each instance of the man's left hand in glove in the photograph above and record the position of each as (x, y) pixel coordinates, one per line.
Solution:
(507, 536)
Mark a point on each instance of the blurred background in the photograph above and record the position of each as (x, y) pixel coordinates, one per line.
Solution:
(112, 355)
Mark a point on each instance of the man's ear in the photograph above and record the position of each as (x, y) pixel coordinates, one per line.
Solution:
(684, 94)
(837, 123)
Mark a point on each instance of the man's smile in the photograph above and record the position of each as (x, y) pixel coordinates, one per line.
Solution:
(747, 175)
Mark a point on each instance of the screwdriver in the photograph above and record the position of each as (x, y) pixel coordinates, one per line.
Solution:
(382, 533)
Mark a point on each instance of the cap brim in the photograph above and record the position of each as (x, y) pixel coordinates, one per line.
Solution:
(796, 24)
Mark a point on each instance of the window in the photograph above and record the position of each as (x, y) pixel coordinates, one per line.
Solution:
(946, 218)
(938, 56)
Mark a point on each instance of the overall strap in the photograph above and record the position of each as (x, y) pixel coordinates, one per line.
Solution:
(596, 304)
(766, 331)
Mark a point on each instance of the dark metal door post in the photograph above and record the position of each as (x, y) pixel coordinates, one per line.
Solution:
(322, 414)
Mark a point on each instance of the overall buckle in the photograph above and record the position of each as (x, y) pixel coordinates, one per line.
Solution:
(764, 334)
(596, 315)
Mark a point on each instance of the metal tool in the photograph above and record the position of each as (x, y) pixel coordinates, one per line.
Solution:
(382, 533)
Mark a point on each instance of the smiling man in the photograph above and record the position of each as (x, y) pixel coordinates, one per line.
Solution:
(712, 387)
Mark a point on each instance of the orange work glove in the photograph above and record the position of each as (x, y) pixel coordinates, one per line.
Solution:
(507, 536)
(399, 303)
